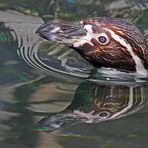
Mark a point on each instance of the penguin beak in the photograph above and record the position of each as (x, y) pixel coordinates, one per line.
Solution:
(62, 33)
(58, 121)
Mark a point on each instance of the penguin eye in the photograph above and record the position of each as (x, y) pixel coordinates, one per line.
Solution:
(104, 114)
(103, 39)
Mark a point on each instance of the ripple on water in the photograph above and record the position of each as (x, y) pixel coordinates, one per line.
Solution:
(51, 58)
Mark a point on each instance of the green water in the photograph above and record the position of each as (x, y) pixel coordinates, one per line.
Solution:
(29, 90)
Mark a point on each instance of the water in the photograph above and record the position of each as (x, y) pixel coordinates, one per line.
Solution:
(42, 79)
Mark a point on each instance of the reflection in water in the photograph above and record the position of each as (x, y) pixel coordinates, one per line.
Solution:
(25, 95)
(93, 101)
(97, 102)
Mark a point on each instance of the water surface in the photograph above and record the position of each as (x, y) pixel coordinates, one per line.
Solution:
(39, 78)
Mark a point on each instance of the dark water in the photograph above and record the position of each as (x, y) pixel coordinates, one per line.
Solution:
(39, 79)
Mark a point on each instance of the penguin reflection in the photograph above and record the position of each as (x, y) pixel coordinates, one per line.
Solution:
(97, 102)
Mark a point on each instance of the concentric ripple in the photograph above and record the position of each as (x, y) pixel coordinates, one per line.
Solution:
(51, 58)
(48, 57)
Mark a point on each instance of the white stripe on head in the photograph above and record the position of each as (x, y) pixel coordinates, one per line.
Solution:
(130, 104)
(89, 36)
(139, 65)
(88, 28)
(85, 39)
